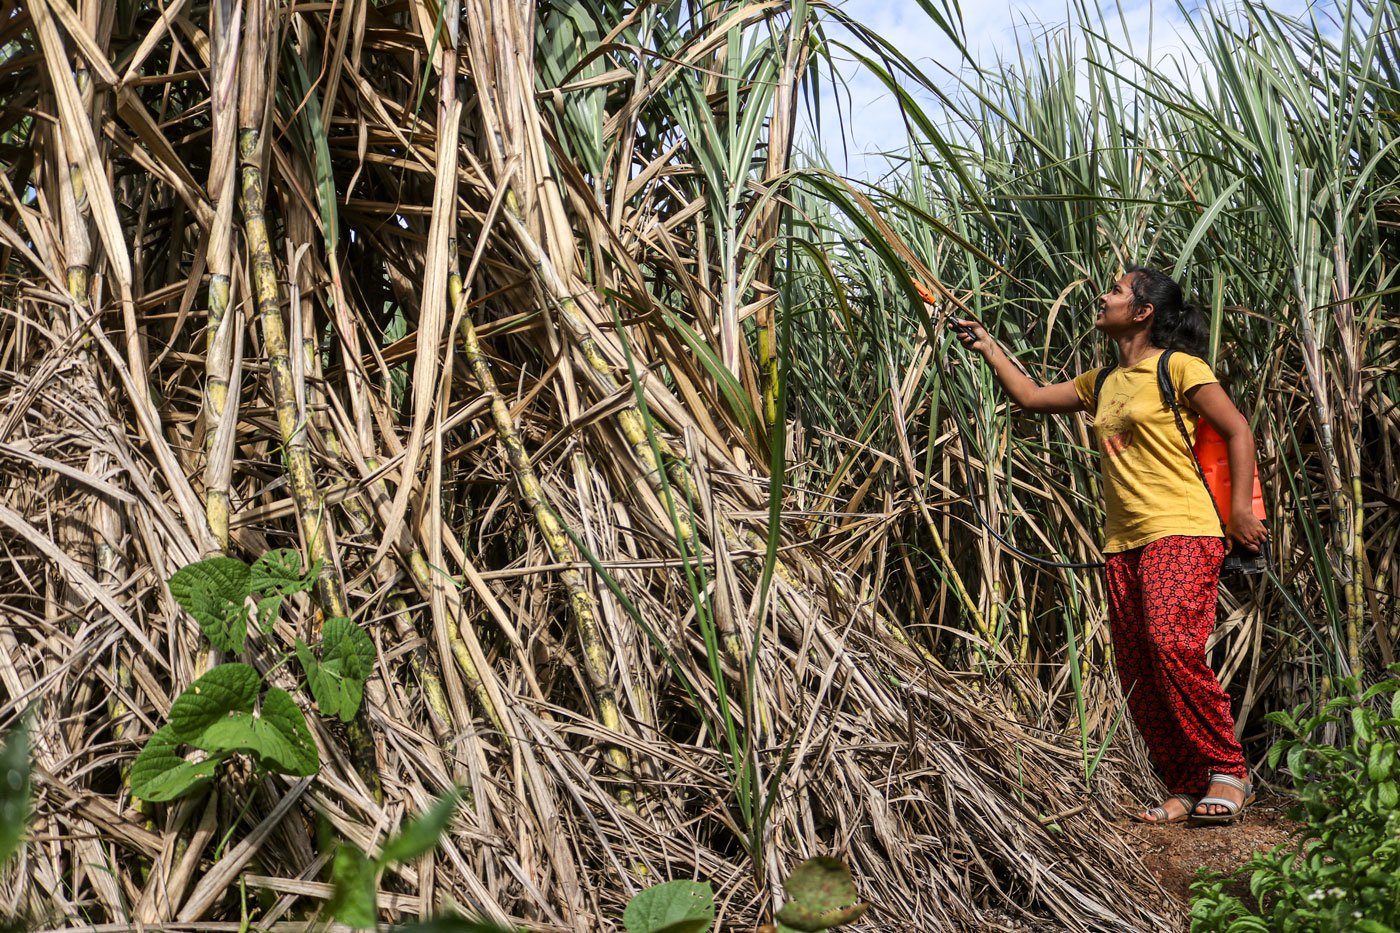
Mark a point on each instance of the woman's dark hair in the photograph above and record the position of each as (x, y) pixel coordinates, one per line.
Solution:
(1176, 325)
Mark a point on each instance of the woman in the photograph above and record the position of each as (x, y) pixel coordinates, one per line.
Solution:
(1163, 547)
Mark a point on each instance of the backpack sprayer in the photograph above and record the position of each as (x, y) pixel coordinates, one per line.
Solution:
(1213, 463)
(1210, 454)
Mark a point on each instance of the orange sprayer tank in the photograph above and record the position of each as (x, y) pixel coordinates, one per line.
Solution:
(1214, 455)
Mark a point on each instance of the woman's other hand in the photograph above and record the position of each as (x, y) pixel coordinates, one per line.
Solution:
(1246, 530)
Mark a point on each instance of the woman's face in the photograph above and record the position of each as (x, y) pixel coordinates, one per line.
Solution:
(1116, 311)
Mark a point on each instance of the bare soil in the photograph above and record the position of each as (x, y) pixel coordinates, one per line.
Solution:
(1174, 852)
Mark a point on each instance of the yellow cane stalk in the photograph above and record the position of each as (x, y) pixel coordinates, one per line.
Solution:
(461, 652)
(629, 418)
(219, 336)
(561, 548)
(216, 497)
(311, 507)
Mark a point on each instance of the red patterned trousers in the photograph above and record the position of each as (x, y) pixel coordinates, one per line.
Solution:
(1161, 607)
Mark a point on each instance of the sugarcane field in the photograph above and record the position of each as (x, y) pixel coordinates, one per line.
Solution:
(668, 467)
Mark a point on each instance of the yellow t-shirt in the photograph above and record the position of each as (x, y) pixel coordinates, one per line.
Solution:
(1151, 487)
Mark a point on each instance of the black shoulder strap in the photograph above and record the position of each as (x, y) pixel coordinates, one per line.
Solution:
(1099, 380)
(1164, 383)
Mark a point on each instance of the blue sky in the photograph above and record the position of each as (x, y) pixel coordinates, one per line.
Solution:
(993, 29)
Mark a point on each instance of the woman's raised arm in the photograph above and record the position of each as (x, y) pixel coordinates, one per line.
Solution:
(1024, 391)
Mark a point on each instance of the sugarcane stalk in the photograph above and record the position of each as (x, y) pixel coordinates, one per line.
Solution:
(76, 217)
(595, 652)
(439, 713)
(1350, 357)
(633, 428)
(422, 576)
(461, 651)
(437, 294)
(291, 423)
(779, 153)
(220, 419)
(1356, 586)
(165, 890)
(629, 417)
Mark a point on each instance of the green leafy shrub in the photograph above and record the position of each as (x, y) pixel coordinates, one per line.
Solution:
(219, 714)
(1342, 871)
(227, 711)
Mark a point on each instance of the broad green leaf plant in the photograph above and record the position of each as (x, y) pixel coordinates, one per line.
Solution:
(1342, 870)
(674, 907)
(230, 710)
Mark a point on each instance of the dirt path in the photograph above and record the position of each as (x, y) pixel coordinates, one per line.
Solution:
(1173, 853)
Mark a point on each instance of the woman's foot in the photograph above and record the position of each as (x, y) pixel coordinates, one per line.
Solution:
(1224, 800)
(1175, 809)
